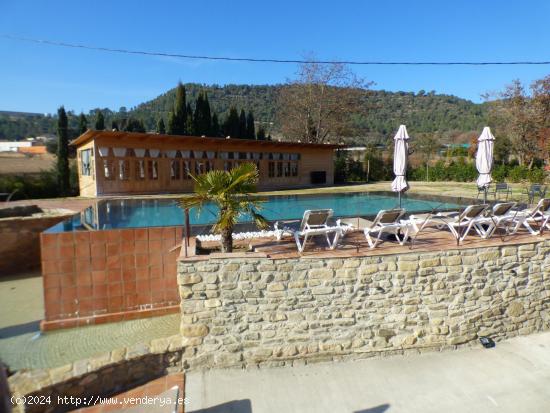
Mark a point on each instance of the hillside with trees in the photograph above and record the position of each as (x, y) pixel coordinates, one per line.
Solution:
(378, 115)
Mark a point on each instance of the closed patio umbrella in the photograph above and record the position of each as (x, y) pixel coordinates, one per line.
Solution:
(400, 152)
(484, 159)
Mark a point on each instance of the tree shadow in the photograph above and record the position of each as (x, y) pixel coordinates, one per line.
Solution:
(377, 409)
(234, 406)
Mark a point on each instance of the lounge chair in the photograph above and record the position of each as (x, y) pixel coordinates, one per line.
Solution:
(388, 221)
(501, 214)
(459, 223)
(313, 223)
(538, 215)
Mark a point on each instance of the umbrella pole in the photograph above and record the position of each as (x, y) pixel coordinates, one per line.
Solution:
(485, 195)
(399, 199)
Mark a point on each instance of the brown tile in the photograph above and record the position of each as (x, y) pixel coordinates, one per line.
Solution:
(66, 266)
(97, 250)
(179, 233)
(51, 281)
(97, 237)
(52, 309)
(66, 251)
(157, 296)
(86, 306)
(49, 240)
(82, 237)
(169, 233)
(127, 247)
(113, 249)
(157, 284)
(115, 303)
(127, 236)
(141, 273)
(69, 307)
(141, 247)
(128, 262)
(143, 286)
(115, 289)
(155, 260)
(155, 233)
(114, 276)
(129, 288)
(113, 261)
(52, 295)
(99, 277)
(49, 253)
(84, 278)
(140, 234)
(101, 303)
(113, 236)
(168, 244)
(82, 251)
(83, 265)
(142, 260)
(130, 300)
(128, 276)
(155, 271)
(155, 246)
(66, 238)
(100, 291)
(67, 280)
(84, 292)
(98, 263)
(50, 267)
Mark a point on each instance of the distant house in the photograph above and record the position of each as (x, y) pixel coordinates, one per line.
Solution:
(13, 146)
(116, 162)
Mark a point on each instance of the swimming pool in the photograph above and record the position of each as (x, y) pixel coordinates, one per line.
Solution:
(141, 213)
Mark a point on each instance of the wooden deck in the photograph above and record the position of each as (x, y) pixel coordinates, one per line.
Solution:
(354, 244)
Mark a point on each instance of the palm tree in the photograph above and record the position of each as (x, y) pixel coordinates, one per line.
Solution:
(231, 192)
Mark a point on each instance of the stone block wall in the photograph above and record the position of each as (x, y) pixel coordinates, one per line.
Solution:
(248, 311)
(99, 376)
(20, 242)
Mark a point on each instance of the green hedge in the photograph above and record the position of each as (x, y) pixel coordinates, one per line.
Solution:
(35, 186)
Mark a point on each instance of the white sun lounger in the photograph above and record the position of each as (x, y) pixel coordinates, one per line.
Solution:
(386, 221)
(313, 223)
(502, 215)
(459, 223)
(538, 215)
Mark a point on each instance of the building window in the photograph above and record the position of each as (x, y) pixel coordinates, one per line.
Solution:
(279, 169)
(108, 169)
(227, 166)
(199, 168)
(174, 169)
(123, 170)
(140, 170)
(271, 169)
(287, 168)
(294, 169)
(187, 170)
(86, 162)
(153, 170)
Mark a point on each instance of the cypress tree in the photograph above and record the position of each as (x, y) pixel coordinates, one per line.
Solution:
(63, 180)
(114, 125)
(189, 124)
(261, 134)
(171, 123)
(82, 124)
(197, 118)
(231, 124)
(242, 125)
(99, 121)
(215, 128)
(206, 115)
(250, 129)
(180, 114)
(160, 126)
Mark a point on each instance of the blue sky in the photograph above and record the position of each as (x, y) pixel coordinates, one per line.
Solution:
(39, 78)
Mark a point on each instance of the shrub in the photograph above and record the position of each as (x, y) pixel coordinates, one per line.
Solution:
(518, 173)
(536, 176)
(500, 172)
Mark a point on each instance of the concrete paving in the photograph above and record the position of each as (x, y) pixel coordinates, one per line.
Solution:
(512, 377)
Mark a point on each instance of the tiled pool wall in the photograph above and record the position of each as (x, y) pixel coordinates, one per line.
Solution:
(93, 277)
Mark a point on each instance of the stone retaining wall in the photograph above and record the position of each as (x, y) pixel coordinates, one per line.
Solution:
(248, 311)
(103, 375)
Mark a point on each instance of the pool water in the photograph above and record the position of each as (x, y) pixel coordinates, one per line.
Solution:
(139, 213)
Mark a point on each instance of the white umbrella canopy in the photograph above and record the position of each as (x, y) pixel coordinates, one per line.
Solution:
(484, 157)
(400, 153)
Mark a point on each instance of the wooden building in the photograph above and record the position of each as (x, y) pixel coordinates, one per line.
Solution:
(116, 163)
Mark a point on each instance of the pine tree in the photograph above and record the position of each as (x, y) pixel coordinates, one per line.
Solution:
(99, 121)
(250, 129)
(114, 125)
(179, 114)
(242, 125)
(82, 124)
(63, 179)
(215, 129)
(261, 134)
(160, 126)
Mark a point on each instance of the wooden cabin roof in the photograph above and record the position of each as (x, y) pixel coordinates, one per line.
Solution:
(122, 135)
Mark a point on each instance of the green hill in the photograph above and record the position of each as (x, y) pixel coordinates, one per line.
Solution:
(378, 116)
